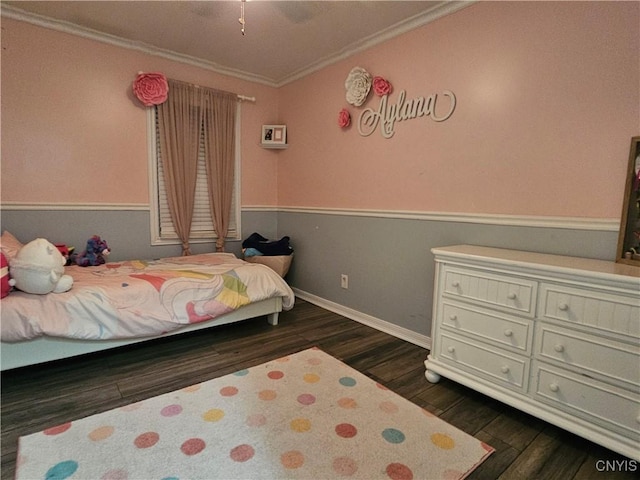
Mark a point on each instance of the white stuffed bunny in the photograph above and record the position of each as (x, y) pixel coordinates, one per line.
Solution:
(38, 268)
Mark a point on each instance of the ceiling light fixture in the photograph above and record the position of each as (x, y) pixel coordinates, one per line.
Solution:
(241, 19)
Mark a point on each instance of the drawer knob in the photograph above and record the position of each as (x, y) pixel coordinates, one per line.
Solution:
(451, 349)
(512, 296)
(455, 283)
(554, 387)
(563, 306)
(453, 317)
(559, 348)
(508, 333)
(504, 369)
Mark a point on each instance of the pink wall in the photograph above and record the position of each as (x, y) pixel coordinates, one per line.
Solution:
(72, 132)
(547, 100)
(548, 97)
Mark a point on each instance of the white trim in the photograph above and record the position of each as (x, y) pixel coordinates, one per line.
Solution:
(91, 34)
(373, 322)
(404, 26)
(260, 208)
(154, 216)
(446, 8)
(74, 206)
(572, 223)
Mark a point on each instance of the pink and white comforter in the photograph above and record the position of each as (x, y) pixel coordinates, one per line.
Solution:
(141, 298)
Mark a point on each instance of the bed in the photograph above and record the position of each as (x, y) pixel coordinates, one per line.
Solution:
(121, 303)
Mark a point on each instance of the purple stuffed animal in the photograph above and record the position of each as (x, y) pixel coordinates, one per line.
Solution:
(96, 250)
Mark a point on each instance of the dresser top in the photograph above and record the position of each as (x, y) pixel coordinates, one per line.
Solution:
(541, 260)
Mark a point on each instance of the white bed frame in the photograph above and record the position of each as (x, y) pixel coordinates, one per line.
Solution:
(45, 349)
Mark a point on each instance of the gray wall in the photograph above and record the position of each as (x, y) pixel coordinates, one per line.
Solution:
(388, 260)
(126, 232)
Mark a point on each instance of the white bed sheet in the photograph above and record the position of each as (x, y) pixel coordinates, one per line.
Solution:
(141, 298)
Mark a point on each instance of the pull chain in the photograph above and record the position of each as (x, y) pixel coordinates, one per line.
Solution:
(241, 19)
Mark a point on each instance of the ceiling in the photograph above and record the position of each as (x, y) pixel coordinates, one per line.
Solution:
(283, 41)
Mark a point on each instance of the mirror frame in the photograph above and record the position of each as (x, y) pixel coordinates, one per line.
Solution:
(629, 237)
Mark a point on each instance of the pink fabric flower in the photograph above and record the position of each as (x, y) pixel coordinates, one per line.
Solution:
(344, 118)
(381, 86)
(151, 88)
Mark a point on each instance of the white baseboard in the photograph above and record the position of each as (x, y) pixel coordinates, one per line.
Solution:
(373, 322)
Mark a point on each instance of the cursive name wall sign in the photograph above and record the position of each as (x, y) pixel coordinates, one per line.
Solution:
(387, 114)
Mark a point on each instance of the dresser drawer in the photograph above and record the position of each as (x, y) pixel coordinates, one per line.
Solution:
(592, 308)
(502, 291)
(615, 361)
(513, 332)
(503, 369)
(557, 337)
(608, 406)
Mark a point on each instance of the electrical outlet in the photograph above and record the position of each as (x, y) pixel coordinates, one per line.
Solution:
(344, 281)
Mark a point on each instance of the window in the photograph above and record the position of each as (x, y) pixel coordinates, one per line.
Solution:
(202, 230)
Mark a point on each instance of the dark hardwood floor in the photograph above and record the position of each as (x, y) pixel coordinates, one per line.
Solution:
(34, 398)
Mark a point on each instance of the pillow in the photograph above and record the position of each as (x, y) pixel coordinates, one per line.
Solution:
(9, 245)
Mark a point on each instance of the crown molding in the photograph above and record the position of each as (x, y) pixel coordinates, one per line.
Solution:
(91, 34)
(439, 11)
(443, 9)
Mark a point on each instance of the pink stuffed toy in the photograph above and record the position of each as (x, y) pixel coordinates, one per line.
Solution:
(5, 287)
(65, 251)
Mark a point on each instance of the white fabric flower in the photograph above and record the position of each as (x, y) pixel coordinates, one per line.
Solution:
(358, 84)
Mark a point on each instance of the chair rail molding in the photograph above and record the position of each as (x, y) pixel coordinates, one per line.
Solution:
(573, 223)
(73, 206)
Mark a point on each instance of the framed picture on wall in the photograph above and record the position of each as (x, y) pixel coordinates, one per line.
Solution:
(629, 238)
(274, 135)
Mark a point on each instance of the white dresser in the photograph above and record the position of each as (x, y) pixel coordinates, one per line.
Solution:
(557, 337)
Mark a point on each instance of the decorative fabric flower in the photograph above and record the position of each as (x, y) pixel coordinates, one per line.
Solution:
(381, 86)
(358, 84)
(344, 118)
(151, 88)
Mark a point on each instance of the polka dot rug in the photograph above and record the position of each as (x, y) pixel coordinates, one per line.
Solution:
(303, 416)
